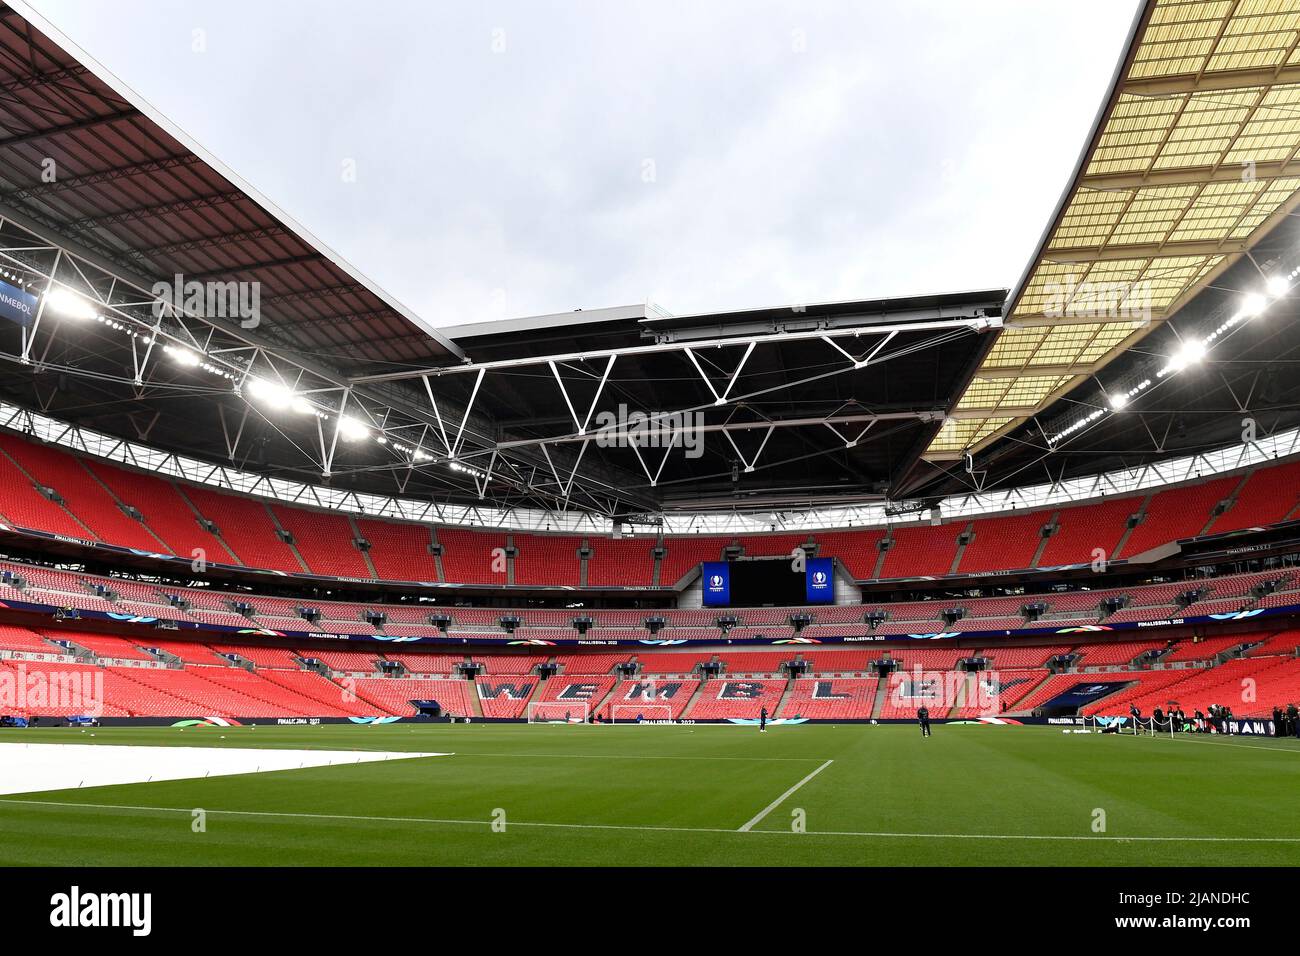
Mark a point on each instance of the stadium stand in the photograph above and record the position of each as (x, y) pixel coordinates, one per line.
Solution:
(399, 552)
(730, 699)
(858, 551)
(468, 557)
(621, 562)
(24, 506)
(684, 554)
(94, 494)
(394, 695)
(1085, 529)
(1269, 496)
(92, 503)
(505, 698)
(246, 527)
(921, 550)
(325, 541)
(544, 559)
(169, 515)
(1010, 541)
(830, 699)
(1177, 513)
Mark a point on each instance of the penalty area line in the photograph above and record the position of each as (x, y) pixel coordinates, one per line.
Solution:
(273, 814)
(781, 799)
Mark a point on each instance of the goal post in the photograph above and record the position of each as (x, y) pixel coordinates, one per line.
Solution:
(558, 712)
(635, 713)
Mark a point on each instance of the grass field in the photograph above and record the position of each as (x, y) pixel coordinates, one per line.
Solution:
(680, 796)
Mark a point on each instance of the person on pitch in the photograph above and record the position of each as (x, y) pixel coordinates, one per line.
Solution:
(762, 720)
(923, 718)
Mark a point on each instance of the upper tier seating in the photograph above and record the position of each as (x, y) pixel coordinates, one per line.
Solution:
(921, 550)
(1083, 530)
(1269, 496)
(246, 527)
(24, 506)
(82, 493)
(93, 491)
(1177, 513)
(620, 562)
(1006, 542)
(168, 514)
(858, 551)
(325, 540)
(399, 552)
(772, 545)
(683, 554)
(547, 559)
(471, 557)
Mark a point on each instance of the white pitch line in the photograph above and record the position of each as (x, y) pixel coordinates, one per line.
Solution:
(781, 799)
(1211, 742)
(461, 753)
(661, 829)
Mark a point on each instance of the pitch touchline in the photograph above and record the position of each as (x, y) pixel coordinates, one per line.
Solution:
(642, 757)
(1214, 743)
(781, 799)
(664, 829)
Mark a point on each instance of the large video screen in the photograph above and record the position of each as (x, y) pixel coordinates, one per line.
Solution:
(763, 583)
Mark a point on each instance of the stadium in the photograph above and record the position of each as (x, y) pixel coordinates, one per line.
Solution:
(624, 587)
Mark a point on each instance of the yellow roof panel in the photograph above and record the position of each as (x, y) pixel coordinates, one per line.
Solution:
(1194, 159)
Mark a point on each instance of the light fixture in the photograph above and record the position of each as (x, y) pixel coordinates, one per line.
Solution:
(1255, 303)
(1278, 286)
(182, 356)
(1191, 352)
(1118, 401)
(271, 393)
(67, 303)
(350, 429)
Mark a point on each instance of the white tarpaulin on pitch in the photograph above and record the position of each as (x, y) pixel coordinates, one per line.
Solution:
(30, 768)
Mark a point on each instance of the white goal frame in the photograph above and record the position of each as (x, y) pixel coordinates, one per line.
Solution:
(648, 711)
(553, 711)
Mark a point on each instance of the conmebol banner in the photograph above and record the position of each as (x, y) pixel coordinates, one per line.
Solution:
(17, 305)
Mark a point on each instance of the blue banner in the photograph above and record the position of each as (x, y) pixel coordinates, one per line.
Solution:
(1084, 693)
(717, 583)
(17, 305)
(819, 580)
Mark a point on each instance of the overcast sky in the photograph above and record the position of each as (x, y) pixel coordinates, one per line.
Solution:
(524, 157)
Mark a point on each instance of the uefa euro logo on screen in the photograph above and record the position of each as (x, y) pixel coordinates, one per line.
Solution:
(818, 581)
(717, 583)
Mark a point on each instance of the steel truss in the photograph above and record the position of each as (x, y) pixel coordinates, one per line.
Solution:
(432, 430)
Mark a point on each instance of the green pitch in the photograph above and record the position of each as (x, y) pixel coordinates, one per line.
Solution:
(680, 795)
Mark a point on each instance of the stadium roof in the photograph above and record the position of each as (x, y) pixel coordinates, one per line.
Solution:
(794, 407)
(1190, 163)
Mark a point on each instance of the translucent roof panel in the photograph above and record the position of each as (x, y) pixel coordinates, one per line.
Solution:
(1193, 161)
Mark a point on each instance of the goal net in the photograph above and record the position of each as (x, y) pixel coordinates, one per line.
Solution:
(557, 712)
(635, 713)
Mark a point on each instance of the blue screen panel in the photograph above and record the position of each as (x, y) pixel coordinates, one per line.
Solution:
(717, 583)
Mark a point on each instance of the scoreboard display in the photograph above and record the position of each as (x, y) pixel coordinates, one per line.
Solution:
(772, 582)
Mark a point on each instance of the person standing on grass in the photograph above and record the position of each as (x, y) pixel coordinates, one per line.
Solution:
(762, 720)
(923, 718)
